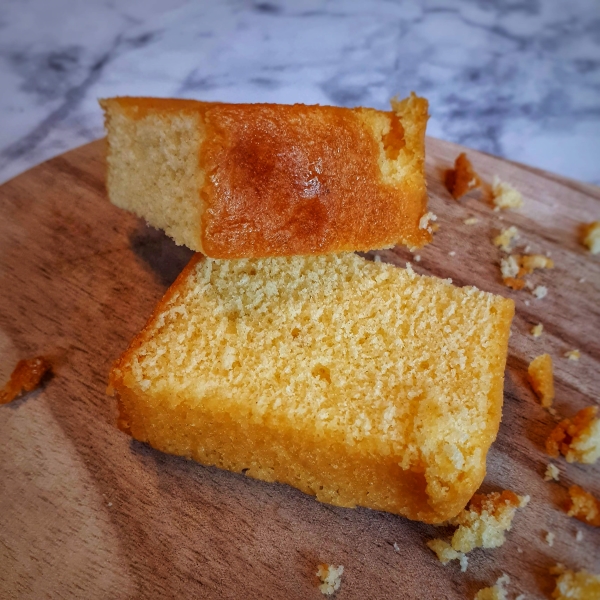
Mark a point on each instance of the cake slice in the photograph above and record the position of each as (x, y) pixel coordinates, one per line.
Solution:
(259, 180)
(357, 382)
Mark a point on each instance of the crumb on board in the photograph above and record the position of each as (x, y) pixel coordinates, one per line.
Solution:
(537, 330)
(396, 547)
(583, 506)
(577, 439)
(550, 538)
(26, 377)
(509, 266)
(496, 592)
(540, 292)
(426, 221)
(530, 262)
(520, 597)
(445, 553)
(504, 195)
(417, 258)
(574, 355)
(331, 578)
(482, 524)
(452, 253)
(575, 585)
(579, 535)
(591, 237)
(552, 473)
(505, 238)
(471, 221)
(462, 179)
(514, 267)
(541, 378)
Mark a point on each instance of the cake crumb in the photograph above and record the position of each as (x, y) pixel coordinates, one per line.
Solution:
(591, 237)
(426, 221)
(396, 547)
(505, 238)
(26, 377)
(577, 439)
(579, 536)
(509, 267)
(471, 221)
(505, 196)
(536, 330)
(575, 585)
(331, 578)
(541, 378)
(573, 355)
(540, 292)
(550, 538)
(527, 303)
(583, 506)
(552, 473)
(482, 524)
(582, 280)
(417, 258)
(531, 262)
(496, 592)
(377, 258)
(520, 550)
(520, 597)
(462, 179)
(446, 553)
(452, 253)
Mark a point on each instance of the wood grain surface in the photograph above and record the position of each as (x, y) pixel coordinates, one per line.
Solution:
(85, 512)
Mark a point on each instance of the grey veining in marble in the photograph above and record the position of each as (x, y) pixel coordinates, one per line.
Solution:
(517, 78)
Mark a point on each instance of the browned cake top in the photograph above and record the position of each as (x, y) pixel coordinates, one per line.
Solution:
(307, 179)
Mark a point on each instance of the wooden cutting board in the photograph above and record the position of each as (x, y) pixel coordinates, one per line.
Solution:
(85, 512)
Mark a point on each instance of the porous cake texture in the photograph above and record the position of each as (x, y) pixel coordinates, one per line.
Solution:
(357, 382)
(259, 180)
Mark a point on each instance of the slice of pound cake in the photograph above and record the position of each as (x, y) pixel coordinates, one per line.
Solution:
(357, 382)
(258, 180)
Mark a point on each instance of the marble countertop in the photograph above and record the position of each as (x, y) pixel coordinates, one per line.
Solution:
(516, 78)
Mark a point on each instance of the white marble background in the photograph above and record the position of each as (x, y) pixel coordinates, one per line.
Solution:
(516, 78)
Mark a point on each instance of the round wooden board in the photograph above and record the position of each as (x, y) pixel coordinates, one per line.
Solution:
(85, 512)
